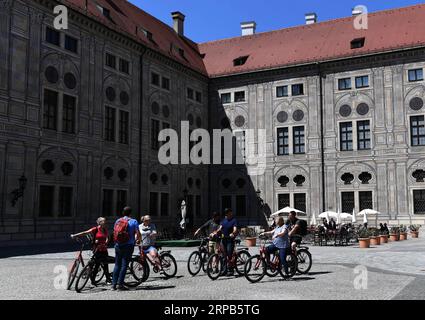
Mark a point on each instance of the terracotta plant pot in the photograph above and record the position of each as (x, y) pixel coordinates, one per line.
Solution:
(364, 243)
(384, 239)
(251, 242)
(414, 234)
(394, 237)
(403, 236)
(375, 241)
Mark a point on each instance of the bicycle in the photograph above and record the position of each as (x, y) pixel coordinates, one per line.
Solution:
(73, 271)
(304, 259)
(258, 266)
(140, 269)
(219, 262)
(198, 259)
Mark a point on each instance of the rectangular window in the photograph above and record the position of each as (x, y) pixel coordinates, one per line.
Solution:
(153, 204)
(358, 43)
(241, 205)
(419, 201)
(198, 206)
(298, 89)
(107, 203)
(165, 83)
(164, 204)
(50, 113)
(239, 150)
(240, 96)
(299, 140)
(121, 200)
(190, 93)
(363, 135)
(154, 134)
(300, 201)
(347, 202)
(362, 82)
(65, 202)
(46, 198)
(226, 203)
(417, 130)
(346, 136)
(284, 200)
(416, 75)
(344, 84)
(155, 79)
(111, 61)
(226, 98)
(123, 127)
(282, 141)
(124, 66)
(198, 97)
(71, 44)
(282, 91)
(110, 116)
(365, 200)
(68, 116)
(53, 36)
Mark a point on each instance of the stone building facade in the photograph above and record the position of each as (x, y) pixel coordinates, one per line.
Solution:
(81, 109)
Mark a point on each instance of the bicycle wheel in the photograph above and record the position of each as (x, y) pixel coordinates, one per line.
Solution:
(139, 270)
(168, 265)
(205, 257)
(241, 258)
(291, 262)
(304, 261)
(83, 278)
(130, 280)
(195, 262)
(255, 269)
(99, 275)
(215, 267)
(271, 270)
(73, 273)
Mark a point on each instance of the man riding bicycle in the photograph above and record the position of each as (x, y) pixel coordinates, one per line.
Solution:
(280, 242)
(295, 227)
(211, 227)
(229, 230)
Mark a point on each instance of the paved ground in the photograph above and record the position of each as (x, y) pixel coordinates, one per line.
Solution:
(394, 271)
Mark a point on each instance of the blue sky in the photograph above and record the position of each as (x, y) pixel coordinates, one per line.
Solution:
(208, 20)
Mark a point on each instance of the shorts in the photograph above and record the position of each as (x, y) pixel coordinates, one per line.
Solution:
(148, 249)
(297, 239)
(213, 246)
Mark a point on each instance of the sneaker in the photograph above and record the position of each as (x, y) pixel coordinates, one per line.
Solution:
(122, 288)
(114, 288)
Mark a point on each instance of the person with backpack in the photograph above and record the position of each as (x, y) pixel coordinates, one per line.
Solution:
(298, 229)
(100, 247)
(126, 235)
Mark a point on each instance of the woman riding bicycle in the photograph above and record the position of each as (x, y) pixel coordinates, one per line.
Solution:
(149, 234)
(211, 227)
(280, 242)
(100, 247)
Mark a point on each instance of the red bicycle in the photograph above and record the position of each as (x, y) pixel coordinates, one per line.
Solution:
(260, 265)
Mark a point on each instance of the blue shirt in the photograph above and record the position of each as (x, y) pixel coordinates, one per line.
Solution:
(133, 226)
(228, 226)
(281, 242)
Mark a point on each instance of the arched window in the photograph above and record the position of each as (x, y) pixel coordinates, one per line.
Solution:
(283, 181)
(365, 177)
(348, 178)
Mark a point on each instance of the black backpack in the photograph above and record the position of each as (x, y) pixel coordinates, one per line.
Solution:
(303, 227)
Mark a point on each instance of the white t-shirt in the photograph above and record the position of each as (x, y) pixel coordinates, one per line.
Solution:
(146, 232)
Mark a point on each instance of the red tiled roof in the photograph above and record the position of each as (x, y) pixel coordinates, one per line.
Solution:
(388, 30)
(127, 18)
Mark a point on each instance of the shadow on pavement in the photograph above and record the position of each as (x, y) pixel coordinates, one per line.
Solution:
(30, 250)
(318, 273)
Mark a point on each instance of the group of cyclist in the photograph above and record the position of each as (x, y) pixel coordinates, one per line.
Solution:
(128, 233)
(285, 234)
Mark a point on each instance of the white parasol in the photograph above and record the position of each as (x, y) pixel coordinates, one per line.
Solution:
(286, 210)
(313, 220)
(183, 210)
(354, 220)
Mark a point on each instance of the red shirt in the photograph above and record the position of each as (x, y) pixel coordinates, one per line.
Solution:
(100, 237)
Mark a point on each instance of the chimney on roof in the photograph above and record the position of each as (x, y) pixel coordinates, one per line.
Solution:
(178, 25)
(248, 28)
(358, 10)
(310, 18)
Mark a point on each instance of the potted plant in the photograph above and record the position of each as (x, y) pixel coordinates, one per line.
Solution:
(384, 236)
(375, 239)
(414, 231)
(395, 234)
(364, 238)
(251, 239)
(403, 233)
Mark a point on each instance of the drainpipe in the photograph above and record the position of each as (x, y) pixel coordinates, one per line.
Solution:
(322, 143)
(139, 189)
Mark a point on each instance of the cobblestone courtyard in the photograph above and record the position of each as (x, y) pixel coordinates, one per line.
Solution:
(395, 271)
